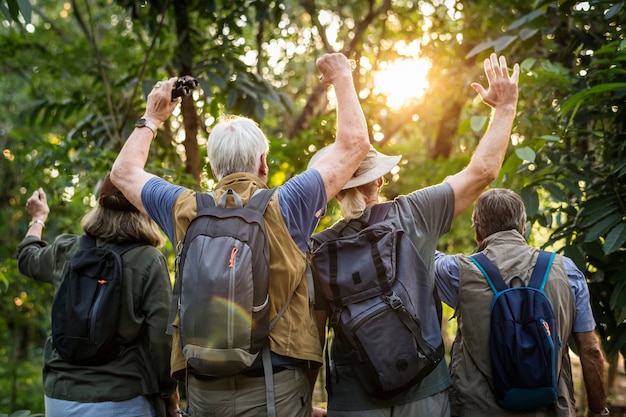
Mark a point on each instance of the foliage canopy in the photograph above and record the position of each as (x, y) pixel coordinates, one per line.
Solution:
(75, 75)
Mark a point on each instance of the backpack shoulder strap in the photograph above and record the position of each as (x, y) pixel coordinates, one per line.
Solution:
(323, 236)
(89, 241)
(542, 270)
(490, 271)
(204, 200)
(379, 212)
(260, 199)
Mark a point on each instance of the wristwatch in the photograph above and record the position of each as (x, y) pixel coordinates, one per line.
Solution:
(145, 123)
(604, 412)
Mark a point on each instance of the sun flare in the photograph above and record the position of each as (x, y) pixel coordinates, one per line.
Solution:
(402, 81)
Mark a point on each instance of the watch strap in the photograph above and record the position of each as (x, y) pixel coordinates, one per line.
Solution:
(146, 123)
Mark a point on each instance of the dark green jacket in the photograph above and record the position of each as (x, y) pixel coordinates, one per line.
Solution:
(143, 368)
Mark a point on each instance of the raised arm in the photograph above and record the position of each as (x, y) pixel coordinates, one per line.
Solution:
(352, 141)
(37, 208)
(128, 173)
(487, 160)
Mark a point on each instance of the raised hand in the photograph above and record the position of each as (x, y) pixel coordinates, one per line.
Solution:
(502, 88)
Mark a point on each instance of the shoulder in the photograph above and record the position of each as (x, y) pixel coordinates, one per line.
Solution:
(159, 193)
(145, 260)
(301, 184)
(143, 256)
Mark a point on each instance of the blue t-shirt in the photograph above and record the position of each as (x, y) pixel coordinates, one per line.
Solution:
(302, 199)
(447, 279)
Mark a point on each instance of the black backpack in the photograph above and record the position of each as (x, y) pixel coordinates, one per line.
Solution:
(85, 309)
(382, 303)
(524, 340)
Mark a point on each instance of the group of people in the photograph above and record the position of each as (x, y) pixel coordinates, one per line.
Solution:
(142, 381)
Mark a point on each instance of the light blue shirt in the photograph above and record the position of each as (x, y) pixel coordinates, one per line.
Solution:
(447, 281)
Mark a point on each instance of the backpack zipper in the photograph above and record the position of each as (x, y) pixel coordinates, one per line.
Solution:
(231, 296)
(99, 293)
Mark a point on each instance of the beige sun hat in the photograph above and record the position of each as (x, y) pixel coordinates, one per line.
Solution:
(373, 166)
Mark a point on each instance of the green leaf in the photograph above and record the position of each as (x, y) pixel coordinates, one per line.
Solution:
(479, 48)
(592, 213)
(554, 68)
(615, 239)
(527, 64)
(576, 255)
(525, 19)
(601, 227)
(618, 297)
(531, 200)
(613, 10)
(525, 154)
(550, 138)
(478, 123)
(25, 9)
(7, 15)
(526, 34)
(556, 192)
(578, 98)
(503, 42)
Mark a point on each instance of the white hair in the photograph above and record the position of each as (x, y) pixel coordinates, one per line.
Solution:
(236, 144)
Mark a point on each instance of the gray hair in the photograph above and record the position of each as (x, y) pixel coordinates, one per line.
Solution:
(497, 210)
(235, 145)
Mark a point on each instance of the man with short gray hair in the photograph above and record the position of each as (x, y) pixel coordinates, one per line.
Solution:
(237, 151)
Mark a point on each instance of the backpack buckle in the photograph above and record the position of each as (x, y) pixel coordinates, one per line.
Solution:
(394, 300)
(334, 319)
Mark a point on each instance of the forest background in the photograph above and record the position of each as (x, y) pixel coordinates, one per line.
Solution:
(75, 75)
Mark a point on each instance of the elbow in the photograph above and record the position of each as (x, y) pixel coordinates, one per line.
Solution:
(119, 174)
(592, 350)
(363, 142)
(485, 175)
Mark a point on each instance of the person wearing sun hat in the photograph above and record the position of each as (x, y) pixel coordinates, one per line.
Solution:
(424, 215)
(138, 381)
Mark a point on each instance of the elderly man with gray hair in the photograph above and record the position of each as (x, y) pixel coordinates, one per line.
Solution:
(237, 151)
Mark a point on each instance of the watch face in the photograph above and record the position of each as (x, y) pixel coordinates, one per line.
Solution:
(140, 123)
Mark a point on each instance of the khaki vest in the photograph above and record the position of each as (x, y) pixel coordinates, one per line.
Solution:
(295, 333)
(470, 359)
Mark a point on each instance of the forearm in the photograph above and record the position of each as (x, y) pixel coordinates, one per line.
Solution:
(593, 375)
(592, 362)
(351, 124)
(486, 160)
(128, 172)
(491, 149)
(351, 142)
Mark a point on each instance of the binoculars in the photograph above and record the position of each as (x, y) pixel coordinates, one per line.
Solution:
(183, 86)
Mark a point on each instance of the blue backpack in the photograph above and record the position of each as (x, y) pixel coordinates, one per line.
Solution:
(524, 340)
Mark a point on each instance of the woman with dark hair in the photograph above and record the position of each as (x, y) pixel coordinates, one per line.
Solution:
(137, 382)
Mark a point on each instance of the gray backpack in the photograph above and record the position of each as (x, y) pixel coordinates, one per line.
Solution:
(222, 281)
(381, 303)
